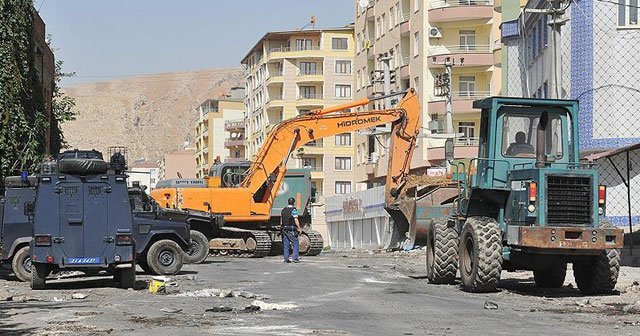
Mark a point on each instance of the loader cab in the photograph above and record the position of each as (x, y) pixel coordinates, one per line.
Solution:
(519, 133)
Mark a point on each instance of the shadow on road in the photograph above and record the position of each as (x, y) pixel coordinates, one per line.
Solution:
(528, 287)
(15, 329)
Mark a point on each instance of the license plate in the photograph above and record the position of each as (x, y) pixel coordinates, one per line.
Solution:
(83, 261)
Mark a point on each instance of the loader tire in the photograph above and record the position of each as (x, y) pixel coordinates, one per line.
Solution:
(199, 250)
(442, 252)
(165, 257)
(597, 274)
(552, 277)
(480, 254)
(39, 274)
(21, 264)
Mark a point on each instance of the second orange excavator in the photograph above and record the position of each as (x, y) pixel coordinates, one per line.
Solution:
(242, 212)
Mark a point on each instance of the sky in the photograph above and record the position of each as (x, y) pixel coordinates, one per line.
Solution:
(107, 39)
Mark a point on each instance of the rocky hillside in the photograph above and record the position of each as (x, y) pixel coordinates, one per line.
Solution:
(150, 115)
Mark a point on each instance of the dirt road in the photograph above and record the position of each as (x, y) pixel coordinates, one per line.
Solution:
(338, 293)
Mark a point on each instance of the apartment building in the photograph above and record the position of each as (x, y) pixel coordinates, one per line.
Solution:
(289, 73)
(418, 36)
(214, 138)
(178, 164)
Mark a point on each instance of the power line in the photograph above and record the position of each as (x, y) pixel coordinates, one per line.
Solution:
(619, 4)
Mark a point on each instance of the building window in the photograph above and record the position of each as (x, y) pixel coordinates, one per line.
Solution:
(628, 13)
(310, 163)
(343, 139)
(339, 43)
(343, 67)
(358, 81)
(416, 83)
(308, 68)
(467, 86)
(304, 44)
(416, 44)
(384, 24)
(378, 28)
(392, 18)
(343, 91)
(308, 92)
(343, 163)
(416, 5)
(468, 40)
(398, 14)
(343, 187)
(468, 130)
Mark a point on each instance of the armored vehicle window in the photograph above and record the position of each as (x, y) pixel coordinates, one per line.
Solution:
(519, 136)
(137, 203)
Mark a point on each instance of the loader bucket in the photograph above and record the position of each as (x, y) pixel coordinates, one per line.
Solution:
(403, 231)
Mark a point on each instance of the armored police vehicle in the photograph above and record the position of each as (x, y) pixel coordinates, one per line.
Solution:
(82, 218)
(15, 224)
(162, 236)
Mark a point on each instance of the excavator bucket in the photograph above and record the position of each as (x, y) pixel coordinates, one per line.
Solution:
(403, 232)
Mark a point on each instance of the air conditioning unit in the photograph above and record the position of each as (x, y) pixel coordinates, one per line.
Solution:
(374, 158)
(435, 32)
(436, 125)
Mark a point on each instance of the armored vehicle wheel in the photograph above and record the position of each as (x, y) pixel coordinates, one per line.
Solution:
(199, 248)
(442, 252)
(21, 264)
(480, 254)
(127, 276)
(39, 274)
(597, 274)
(165, 257)
(552, 277)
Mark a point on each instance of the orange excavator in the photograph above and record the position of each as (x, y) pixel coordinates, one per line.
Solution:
(241, 213)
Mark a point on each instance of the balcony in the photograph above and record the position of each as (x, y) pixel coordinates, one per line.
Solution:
(310, 96)
(234, 142)
(290, 52)
(274, 101)
(464, 147)
(233, 125)
(474, 55)
(497, 5)
(275, 80)
(234, 159)
(404, 24)
(497, 53)
(462, 102)
(369, 13)
(314, 76)
(316, 144)
(460, 10)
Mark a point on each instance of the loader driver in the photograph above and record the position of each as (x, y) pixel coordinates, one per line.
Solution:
(520, 147)
(290, 230)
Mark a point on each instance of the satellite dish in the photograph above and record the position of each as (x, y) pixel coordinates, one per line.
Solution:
(363, 3)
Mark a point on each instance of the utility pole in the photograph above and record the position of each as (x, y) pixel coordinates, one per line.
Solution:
(386, 76)
(443, 87)
(556, 21)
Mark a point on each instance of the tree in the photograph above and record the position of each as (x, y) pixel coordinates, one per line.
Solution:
(23, 120)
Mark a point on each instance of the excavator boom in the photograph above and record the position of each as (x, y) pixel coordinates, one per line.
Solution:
(252, 201)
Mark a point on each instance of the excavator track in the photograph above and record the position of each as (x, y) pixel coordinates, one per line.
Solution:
(258, 243)
(316, 242)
